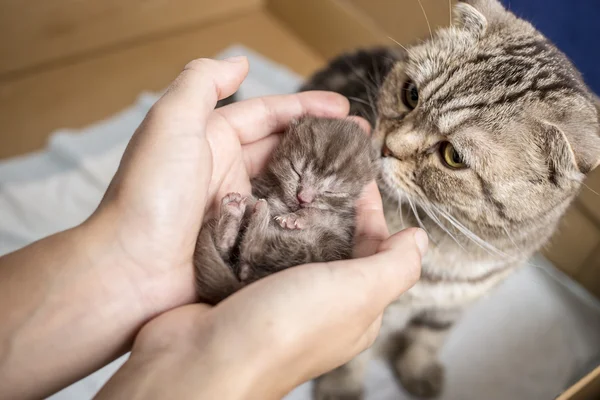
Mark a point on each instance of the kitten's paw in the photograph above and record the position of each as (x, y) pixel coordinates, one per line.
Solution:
(233, 204)
(245, 273)
(291, 221)
(428, 383)
(260, 206)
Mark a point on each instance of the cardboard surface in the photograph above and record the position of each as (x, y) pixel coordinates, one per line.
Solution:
(92, 89)
(574, 242)
(38, 32)
(330, 27)
(406, 21)
(588, 388)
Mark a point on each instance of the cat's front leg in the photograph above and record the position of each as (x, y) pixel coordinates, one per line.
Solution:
(300, 219)
(416, 362)
(343, 383)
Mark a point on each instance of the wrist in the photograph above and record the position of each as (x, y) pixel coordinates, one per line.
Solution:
(180, 355)
(149, 289)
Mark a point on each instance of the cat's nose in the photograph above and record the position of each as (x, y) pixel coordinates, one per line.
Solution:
(386, 152)
(305, 196)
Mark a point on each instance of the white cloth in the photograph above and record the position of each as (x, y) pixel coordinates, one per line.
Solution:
(526, 340)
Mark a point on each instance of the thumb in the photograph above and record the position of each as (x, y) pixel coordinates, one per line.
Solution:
(202, 83)
(393, 269)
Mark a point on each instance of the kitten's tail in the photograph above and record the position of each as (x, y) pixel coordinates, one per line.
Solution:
(215, 279)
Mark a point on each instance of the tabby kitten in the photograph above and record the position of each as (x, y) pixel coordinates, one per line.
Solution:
(485, 132)
(302, 209)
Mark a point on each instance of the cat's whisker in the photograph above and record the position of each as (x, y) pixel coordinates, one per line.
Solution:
(377, 76)
(372, 102)
(416, 214)
(450, 11)
(590, 189)
(426, 18)
(363, 80)
(369, 86)
(434, 218)
(472, 236)
(511, 239)
(398, 43)
(359, 100)
(400, 212)
(367, 103)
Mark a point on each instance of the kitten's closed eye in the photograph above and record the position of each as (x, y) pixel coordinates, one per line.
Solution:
(335, 194)
(294, 169)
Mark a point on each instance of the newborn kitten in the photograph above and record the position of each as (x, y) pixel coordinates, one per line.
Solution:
(302, 209)
(485, 133)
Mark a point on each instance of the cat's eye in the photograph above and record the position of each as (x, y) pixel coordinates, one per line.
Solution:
(451, 157)
(410, 95)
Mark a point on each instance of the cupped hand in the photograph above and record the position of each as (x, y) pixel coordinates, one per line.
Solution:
(282, 330)
(185, 155)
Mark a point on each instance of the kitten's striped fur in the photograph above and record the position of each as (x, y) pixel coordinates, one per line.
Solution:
(524, 122)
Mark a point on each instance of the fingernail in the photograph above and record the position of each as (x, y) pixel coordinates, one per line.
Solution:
(235, 59)
(422, 241)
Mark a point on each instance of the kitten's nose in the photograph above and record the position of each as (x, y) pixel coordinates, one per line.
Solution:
(305, 196)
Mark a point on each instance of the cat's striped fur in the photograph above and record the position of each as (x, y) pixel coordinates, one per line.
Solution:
(526, 127)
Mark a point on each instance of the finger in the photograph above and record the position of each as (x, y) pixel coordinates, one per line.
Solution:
(195, 92)
(370, 335)
(257, 118)
(371, 228)
(257, 154)
(382, 277)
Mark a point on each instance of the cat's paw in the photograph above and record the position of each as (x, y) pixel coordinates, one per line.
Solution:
(326, 392)
(233, 204)
(291, 221)
(428, 383)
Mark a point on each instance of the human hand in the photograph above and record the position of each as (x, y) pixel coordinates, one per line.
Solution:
(132, 259)
(280, 331)
(183, 157)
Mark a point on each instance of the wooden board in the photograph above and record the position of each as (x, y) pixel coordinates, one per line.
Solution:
(35, 32)
(589, 273)
(575, 241)
(329, 26)
(87, 91)
(588, 388)
(406, 21)
(590, 194)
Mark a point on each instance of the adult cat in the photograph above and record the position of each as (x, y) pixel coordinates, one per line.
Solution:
(486, 132)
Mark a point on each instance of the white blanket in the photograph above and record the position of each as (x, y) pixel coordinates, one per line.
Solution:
(527, 340)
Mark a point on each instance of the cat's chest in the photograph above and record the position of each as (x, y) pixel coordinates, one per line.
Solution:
(453, 275)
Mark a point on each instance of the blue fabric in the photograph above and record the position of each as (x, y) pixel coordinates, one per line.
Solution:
(573, 25)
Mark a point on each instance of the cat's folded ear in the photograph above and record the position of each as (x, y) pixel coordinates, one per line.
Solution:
(475, 16)
(571, 152)
(489, 8)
